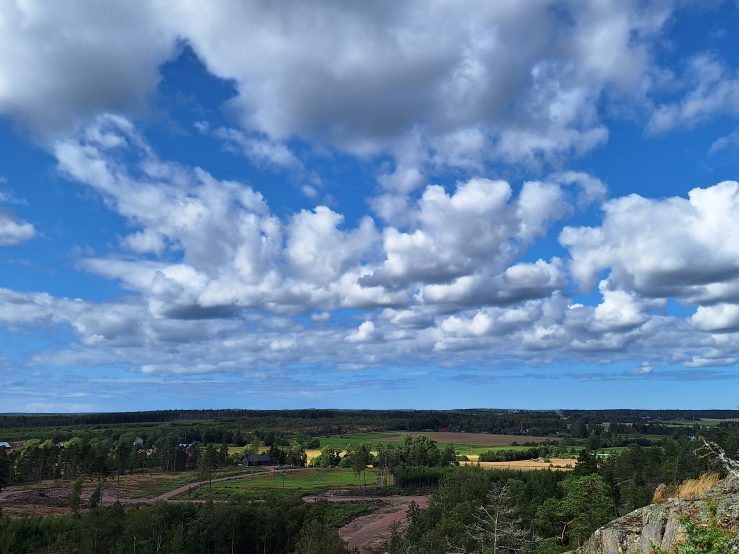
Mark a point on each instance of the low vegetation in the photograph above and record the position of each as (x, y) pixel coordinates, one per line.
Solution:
(302, 482)
(621, 459)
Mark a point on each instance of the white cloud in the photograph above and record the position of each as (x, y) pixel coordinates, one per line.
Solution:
(54, 76)
(220, 283)
(14, 231)
(318, 252)
(366, 332)
(713, 90)
(619, 309)
(728, 143)
(454, 78)
(721, 317)
(457, 234)
(663, 247)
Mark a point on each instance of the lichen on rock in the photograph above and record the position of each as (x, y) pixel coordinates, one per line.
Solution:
(661, 525)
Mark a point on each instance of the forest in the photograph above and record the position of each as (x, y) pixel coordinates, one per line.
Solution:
(619, 466)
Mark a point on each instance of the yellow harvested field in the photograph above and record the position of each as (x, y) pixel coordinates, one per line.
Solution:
(559, 464)
(312, 453)
(477, 439)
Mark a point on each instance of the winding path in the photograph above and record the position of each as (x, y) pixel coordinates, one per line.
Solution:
(169, 495)
(371, 533)
(368, 534)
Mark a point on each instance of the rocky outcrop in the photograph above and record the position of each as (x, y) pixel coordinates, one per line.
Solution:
(660, 524)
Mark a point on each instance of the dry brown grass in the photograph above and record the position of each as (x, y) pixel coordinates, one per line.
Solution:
(663, 493)
(690, 489)
(559, 464)
(693, 488)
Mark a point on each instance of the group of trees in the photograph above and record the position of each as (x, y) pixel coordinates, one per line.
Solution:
(548, 512)
(236, 426)
(275, 527)
(409, 451)
(99, 455)
(413, 462)
(512, 455)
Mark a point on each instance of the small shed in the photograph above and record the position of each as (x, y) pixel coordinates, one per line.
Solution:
(258, 460)
(4, 444)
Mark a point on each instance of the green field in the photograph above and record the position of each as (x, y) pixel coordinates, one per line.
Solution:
(303, 482)
(154, 487)
(342, 442)
(337, 514)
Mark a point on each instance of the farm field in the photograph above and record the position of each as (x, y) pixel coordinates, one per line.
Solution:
(557, 464)
(302, 482)
(137, 485)
(480, 439)
(465, 444)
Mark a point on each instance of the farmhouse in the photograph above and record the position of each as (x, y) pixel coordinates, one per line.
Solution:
(258, 460)
(187, 447)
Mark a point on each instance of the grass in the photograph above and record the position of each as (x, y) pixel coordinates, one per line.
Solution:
(693, 488)
(342, 442)
(302, 482)
(139, 485)
(337, 514)
(155, 487)
(690, 489)
(556, 464)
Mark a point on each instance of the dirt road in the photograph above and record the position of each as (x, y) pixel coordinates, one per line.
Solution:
(109, 498)
(370, 534)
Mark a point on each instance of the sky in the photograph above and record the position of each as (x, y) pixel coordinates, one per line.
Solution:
(383, 204)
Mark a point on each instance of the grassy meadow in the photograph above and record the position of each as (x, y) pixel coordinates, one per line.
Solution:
(298, 482)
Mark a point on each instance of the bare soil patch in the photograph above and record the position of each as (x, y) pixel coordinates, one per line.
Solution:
(370, 534)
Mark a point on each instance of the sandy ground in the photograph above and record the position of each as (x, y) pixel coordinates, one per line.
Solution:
(560, 464)
(371, 534)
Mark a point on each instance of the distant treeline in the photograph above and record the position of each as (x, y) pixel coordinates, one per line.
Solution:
(316, 422)
(632, 416)
(473, 420)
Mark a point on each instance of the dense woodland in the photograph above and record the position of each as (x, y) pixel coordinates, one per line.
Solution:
(547, 512)
(542, 512)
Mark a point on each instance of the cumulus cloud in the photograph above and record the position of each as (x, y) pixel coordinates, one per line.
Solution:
(443, 274)
(448, 281)
(721, 317)
(13, 230)
(455, 234)
(454, 79)
(679, 247)
(684, 248)
(458, 248)
(52, 79)
(713, 89)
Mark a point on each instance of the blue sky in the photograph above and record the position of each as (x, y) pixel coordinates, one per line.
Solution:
(330, 204)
